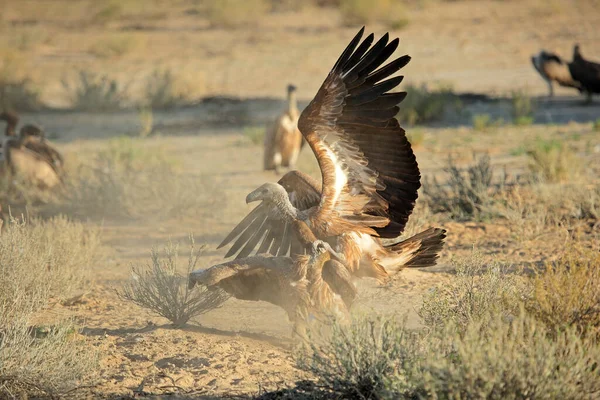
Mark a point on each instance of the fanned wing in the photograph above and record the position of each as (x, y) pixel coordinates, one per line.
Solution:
(264, 231)
(258, 278)
(369, 172)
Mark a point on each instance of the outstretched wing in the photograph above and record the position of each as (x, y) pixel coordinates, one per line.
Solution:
(369, 172)
(258, 278)
(263, 231)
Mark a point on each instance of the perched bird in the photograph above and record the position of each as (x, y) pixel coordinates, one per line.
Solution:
(305, 286)
(587, 73)
(369, 173)
(553, 69)
(283, 140)
(12, 120)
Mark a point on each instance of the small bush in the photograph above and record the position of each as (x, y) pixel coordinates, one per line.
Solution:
(567, 292)
(521, 108)
(596, 125)
(465, 195)
(361, 12)
(484, 122)
(17, 91)
(233, 13)
(424, 105)
(165, 90)
(479, 291)
(92, 92)
(161, 289)
(551, 161)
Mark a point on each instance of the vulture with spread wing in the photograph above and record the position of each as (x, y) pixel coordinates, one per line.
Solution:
(370, 176)
(306, 285)
(587, 73)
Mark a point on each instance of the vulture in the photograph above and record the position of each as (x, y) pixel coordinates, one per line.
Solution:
(283, 140)
(553, 69)
(311, 285)
(369, 174)
(29, 154)
(585, 72)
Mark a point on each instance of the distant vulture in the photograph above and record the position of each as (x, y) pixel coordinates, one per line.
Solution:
(283, 140)
(587, 73)
(370, 176)
(29, 155)
(553, 69)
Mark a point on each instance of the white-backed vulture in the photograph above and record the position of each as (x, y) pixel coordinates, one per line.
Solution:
(305, 286)
(553, 69)
(369, 173)
(283, 140)
(587, 73)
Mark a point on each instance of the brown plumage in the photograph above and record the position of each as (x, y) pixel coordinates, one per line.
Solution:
(283, 140)
(553, 69)
(12, 120)
(369, 173)
(587, 73)
(305, 286)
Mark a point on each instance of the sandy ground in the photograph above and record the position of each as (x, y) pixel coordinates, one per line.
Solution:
(244, 347)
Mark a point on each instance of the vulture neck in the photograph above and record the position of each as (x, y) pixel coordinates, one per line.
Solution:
(287, 209)
(292, 103)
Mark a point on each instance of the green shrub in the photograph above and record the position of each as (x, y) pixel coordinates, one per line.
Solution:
(91, 92)
(521, 108)
(551, 161)
(423, 105)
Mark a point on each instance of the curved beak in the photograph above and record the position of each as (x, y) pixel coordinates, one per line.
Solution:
(253, 196)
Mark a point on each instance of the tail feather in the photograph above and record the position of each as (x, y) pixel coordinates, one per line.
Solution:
(418, 251)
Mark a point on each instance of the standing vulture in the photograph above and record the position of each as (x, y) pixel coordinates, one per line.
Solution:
(283, 140)
(553, 69)
(370, 176)
(587, 73)
(307, 285)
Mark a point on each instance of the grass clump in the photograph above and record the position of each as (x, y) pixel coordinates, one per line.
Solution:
(42, 262)
(361, 12)
(17, 91)
(91, 92)
(233, 13)
(551, 161)
(255, 134)
(596, 125)
(566, 293)
(423, 105)
(466, 195)
(162, 289)
(484, 122)
(521, 108)
(164, 90)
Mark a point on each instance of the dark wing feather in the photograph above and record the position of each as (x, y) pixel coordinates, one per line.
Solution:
(339, 279)
(351, 124)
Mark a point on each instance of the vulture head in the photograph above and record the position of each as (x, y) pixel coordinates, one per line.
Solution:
(322, 250)
(543, 57)
(269, 192)
(11, 119)
(291, 88)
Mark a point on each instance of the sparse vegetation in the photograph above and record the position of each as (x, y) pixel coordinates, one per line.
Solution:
(146, 119)
(232, 13)
(42, 261)
(521, 108)
(114, 46)
(255, 134)
(17, 91)
(466, 195)
(484, 122)
(91, 92)
(552, 161)
(164, 90)
(416, 137)
(162, 289)
(596, 125)
(424, 105)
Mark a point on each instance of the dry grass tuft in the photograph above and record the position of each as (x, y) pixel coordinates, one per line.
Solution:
(567, 292)
(551, 161)
(165, 90)
(162, 289)
(521, 108)
(484, 122)
(16, 90)
(255, 134)
(42, 261)
(91, 92)
(233, 13)
(423, 105)
(114, 46)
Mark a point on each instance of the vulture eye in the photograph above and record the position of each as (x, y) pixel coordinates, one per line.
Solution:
(321, 247)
